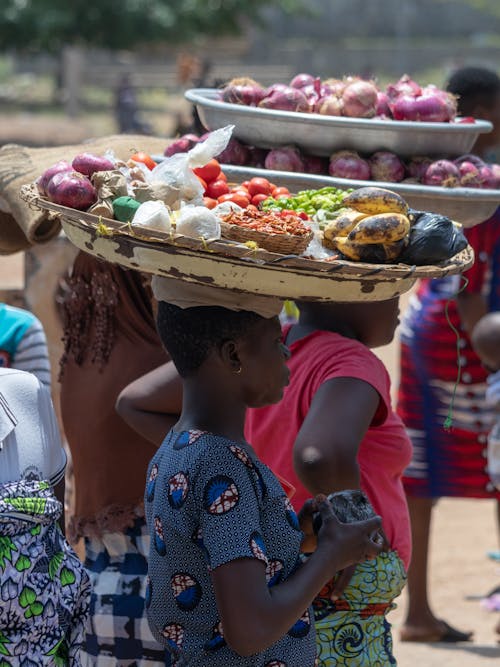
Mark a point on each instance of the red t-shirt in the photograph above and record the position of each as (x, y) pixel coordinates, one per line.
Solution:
(385, 450)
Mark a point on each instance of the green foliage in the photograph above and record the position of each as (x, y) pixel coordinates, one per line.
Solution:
(50, 24)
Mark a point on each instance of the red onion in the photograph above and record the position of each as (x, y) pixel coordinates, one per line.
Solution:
(382, 108)
(314, 164)
(488, 178)
(247, 94)
(73, 189)
(469, 175)
(330, 105)
(56, 168)
(181, 145)
(302, 80)
(360, 100)
(333, 87)
(348, 164)
(234, 153)
(88, 164)
(285, 158)
(312, 95)
(418, 166)
(474, 159)
(276, 88)
(405, 86)
(256, 157)
(429, 108)
(386, 166)
(289, 99)
(450, 101)
(495, 170)
(442, 173)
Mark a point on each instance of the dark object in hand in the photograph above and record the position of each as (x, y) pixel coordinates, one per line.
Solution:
(348, 506)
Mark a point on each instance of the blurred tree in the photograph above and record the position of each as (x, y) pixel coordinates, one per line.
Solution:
(51, 24)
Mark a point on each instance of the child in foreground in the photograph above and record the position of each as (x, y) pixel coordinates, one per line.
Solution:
(225, 582)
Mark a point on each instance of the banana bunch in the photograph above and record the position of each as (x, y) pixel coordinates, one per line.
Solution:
(373, 226)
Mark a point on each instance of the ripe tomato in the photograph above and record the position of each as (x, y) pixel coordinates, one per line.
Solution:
(209, 202)
(143, 157)
(241, 191)
(217, 188)
(222, 177)
(245, 184)
(256, 199)
(280, 191)
(236, 198)
(209, 172)
(203, 184)
(259, 186)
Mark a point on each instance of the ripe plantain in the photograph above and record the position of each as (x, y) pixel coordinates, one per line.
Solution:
(342, 223)
(350, 250)
(381, 228)
(373, 200)
(373, 253)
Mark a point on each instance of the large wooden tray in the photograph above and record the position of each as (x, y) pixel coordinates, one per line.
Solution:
(234, 266)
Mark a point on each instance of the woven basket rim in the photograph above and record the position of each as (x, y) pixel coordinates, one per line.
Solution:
(231, 249)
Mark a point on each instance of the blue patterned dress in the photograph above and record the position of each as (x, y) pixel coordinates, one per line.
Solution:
(210, 501)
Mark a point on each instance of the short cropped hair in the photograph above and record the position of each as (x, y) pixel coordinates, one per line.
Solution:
(474, 86)
(189, 334)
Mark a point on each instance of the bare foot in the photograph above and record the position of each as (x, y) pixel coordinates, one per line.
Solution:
(440, 631)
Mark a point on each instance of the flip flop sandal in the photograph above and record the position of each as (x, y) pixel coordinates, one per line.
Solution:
(453, 635)
(449, 635)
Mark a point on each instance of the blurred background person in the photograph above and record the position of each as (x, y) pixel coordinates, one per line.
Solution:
(45, 590)
(23, 344)
(110, 339)
(449, 462)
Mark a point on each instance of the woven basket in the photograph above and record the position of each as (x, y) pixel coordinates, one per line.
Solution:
(284, 244)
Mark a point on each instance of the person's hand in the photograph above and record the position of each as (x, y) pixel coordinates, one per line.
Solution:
(348, 543)
(344, 576)
(305, 516)
(341, 581)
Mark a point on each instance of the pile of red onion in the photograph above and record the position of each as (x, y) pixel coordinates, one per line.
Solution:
(69, 184)
(351, 96)
(467, 171)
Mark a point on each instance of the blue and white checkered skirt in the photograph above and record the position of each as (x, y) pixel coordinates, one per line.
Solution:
(118, 633)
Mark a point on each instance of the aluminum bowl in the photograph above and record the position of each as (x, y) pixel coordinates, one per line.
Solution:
(469, 206)
(322, 135)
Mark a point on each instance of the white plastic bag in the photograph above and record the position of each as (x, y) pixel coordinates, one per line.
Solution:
(198, 222)
(152, 215)
(177, 169)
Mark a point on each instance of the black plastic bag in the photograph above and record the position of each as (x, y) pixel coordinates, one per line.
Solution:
(433, 239)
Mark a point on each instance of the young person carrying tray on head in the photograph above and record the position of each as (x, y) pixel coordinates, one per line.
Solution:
(334, 429)
(226, 584)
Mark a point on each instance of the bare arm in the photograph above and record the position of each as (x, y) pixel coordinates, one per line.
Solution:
(152, 404)
(255, 616)
(326, 447)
